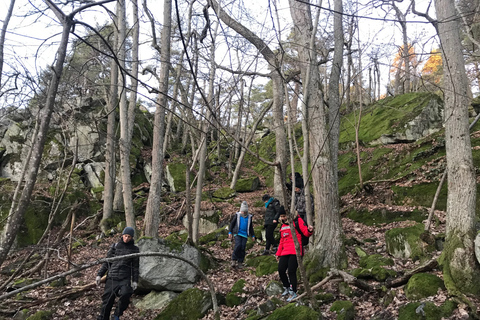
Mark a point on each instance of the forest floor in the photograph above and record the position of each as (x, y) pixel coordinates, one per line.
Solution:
(85, 303)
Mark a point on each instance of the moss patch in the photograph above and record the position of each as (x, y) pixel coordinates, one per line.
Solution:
(41, 315)
(263, 265)
(247, 185)
(407, 242)
(191, 304)
(424, 311)
(344, 309)
(375, 217)
(292, 311)
(224, 193)
(422, 285)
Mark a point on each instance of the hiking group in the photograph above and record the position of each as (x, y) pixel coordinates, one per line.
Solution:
(122, 275)
(241, 227)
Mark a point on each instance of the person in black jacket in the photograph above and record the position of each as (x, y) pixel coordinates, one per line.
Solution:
(272, 215)
(122, 277)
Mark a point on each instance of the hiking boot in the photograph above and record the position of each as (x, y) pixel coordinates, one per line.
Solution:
(266, 252)
(286, 291)
(240, 265)
(293, 295)
(234, 264)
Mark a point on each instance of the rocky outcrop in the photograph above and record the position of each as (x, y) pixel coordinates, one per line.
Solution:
(162, 273)
(208, 221)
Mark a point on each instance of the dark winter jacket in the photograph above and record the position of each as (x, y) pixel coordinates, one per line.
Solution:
(121, 269)
(286, 245)
(235, 223)
(301, 204)
(271, 211)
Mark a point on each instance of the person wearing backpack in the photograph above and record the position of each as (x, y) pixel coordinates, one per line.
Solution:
(300, 202)
(286, 253)
(122, 276)
(271, 219)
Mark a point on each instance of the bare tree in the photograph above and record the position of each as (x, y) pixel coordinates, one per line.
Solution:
(152, 214)
(328, 233)
(459, 263)
(17, 211)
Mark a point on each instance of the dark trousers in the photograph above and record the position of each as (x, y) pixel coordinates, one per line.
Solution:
(239, 249)
(288, 262)
(269, 235)
(115, 288)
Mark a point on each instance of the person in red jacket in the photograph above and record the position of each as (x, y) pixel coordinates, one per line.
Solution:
(286, 253)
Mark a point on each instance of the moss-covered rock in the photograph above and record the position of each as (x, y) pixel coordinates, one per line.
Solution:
(407, 242)
(324, 298)
(247, 185)
(375, 260)
(219, 234)
(192, 304)
(293, 311)
(263, 265)
(344, 309)
(235, 297)
(41, 315)
(315, 273)
(420, 311)
(422, 285)
(378, 273)
(224, 193)
(176, 176)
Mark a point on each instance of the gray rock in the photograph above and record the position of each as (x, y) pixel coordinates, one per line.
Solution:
(162, 273)
(266, 307)
(155, 300)
(206, 224)
(274, 288)
(93, 173)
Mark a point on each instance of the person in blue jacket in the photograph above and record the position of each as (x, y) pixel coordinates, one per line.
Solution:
(241, 227)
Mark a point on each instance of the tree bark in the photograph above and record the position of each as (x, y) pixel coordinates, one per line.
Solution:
(16, 214)
(460, 268)
(278, 96)
(328, 232)
(2, 36)
(152, 214)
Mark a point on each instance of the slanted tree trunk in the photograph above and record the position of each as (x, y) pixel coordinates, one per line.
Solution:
(152, 214)
(15, 216)
(2, 36)
(459, 264)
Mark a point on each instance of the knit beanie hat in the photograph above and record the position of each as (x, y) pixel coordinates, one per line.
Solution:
(266, 197)
(244, 207)
(129, 230)
(299, 182)
(281, 211)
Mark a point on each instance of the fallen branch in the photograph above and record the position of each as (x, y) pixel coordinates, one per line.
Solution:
(348, 278)
(127, 256)
(318, 285)
(430, 265)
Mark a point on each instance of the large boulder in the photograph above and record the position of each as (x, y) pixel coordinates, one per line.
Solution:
(164, 273)
(247, 185)
(407, 242)
(176, 176)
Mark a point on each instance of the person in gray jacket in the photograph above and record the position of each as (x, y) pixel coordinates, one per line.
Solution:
(122, 277)
(241, 227)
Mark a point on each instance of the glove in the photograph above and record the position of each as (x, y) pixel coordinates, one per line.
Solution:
(97, 280)
(134, 286)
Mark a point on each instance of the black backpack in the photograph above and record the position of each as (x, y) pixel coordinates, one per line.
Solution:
(305, 239)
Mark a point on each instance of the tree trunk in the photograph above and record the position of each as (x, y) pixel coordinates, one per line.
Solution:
(459, 264)
(278, 96)
(15, 216)
(152, 218)
(328, 232)
(2, 36)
